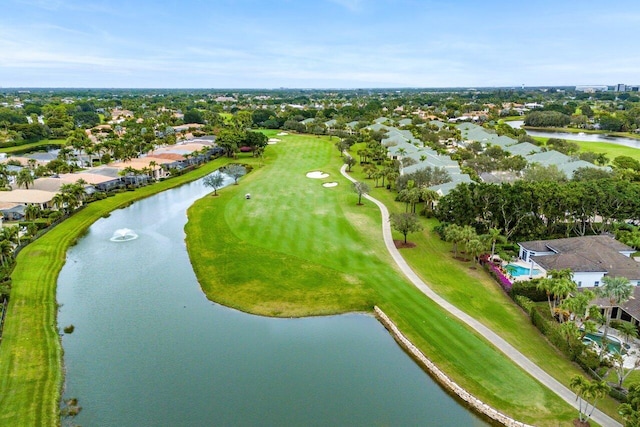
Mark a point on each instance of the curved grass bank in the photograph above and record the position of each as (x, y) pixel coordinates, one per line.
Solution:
(297, 248)
(30, 352)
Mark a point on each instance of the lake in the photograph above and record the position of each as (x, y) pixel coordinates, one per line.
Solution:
(149, 349)
(586, 137)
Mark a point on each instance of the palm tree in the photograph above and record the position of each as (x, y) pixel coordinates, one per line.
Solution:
(31, 212)
(453, 234)
(586, 390)
(597, 390)
(430, 197)
(12, 234)
(6, 249)
(628, 330)
(581, 310)
(475, 247)
(617, 290)
(558, 286)
(4, 175)
(152, 165)
(494, 235)
(24, 177)
(58, 201)
(392, 175)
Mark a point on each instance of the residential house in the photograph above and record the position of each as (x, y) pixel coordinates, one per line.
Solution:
(39, 198)
(590, 258)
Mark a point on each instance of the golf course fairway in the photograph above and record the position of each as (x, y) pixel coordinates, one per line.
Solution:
(297, 248)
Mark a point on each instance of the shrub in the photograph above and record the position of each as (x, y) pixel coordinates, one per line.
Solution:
(528, 289)
(524, 302)
(498, 275)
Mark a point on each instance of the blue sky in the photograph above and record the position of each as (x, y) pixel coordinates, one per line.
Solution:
(317, 43)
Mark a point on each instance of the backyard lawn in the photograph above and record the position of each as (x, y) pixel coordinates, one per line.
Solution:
(297, 248)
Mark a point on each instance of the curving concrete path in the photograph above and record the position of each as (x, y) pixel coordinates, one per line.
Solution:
(511, 352)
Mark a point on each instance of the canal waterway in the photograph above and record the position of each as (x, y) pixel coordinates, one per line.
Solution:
(149, 349)
(585, 137)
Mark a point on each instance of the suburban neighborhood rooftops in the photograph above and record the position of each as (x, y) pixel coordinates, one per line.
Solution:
(586, 254)
(26, 196)
(88, 177)
(523, 149)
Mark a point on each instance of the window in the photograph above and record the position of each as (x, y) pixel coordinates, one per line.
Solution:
(596, 283)
(579, 284)
(524, 254)
(625, 316)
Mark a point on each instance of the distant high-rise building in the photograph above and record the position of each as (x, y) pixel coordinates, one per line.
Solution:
(621, 87)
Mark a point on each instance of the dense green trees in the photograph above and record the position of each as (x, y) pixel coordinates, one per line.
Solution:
(546, 119)
(542, 209)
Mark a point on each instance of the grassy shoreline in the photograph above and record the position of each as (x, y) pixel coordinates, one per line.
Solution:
(611, 150)
(30, 353)
(32, 146)
(590, 131)
(322, 254)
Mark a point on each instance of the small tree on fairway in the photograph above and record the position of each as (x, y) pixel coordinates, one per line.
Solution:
(215, 181)
(405, 223)
(235, 172)
(349, 161)
(360, 188)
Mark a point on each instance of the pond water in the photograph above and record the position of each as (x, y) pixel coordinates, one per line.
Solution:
(586, 137)
(149, 349)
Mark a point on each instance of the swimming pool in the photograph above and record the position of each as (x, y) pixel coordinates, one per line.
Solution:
(613, 343)
(518, 270)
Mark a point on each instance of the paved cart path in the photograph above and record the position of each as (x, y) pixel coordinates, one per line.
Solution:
(519, 358)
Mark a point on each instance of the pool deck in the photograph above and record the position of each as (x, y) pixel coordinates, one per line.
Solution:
(525, 277)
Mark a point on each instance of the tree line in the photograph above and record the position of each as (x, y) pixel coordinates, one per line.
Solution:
(546, 209)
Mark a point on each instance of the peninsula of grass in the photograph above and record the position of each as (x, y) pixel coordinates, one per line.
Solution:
(591, 131)
(33, 146)
(30, 351)
(297, 248)
(611, 150)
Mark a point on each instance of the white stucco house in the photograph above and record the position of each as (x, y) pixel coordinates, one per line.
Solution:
(590, 258)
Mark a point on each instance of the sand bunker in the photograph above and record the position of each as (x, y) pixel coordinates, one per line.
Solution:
(329, 184)
(273, 141)
(317, 174)
(282, 134)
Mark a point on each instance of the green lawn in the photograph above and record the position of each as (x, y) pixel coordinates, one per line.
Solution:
(32, 146)
(30, 353)
(470, 288)
(297, 248)
(575, 130)
(612, 150)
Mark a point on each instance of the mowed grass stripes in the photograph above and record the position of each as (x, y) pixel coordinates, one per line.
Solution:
(297, 249)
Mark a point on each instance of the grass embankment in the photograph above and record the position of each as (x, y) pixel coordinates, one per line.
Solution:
(297, 248)
(469, 287)
(32, 146)
(30, 353)
(611, 150)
